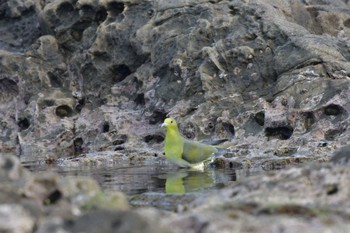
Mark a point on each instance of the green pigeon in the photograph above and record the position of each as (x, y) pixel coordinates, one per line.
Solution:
(184, 152)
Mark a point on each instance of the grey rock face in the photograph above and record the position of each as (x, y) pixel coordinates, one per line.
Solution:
(87, 76)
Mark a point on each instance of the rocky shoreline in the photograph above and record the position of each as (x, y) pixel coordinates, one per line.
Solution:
(90, 81)
(90, 76)
(313, 198)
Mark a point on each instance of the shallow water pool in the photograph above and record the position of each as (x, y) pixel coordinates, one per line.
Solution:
(142, 177)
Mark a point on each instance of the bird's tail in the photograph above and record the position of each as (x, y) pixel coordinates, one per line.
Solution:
(221, 152)
(215, 142)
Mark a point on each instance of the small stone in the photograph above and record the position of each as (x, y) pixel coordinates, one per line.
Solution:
(15, 219)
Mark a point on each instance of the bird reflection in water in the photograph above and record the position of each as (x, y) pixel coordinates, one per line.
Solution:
(184, 181)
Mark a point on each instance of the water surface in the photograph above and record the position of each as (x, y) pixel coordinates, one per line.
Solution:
(140, 178)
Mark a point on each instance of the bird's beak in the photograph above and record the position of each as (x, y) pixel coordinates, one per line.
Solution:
(164, 125)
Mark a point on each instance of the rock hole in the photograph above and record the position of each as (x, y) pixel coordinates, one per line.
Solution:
(157, 117)
(210, 127)
(64, 10)
(189, 131)
(322, 144)
(282, 133)
(309, 120)
(49, 102)
(140, 99)
(105, 127)
(23, 124)
(115, 8)
(119, 147)
(78, 29)
(229, 128)
(260, 118)
(330, 135)
(53, 197)
(120, 72)
(233, 10)
(332, 189)
(333, 110)
(150, 13)
(101, 15)
(87, 12)
(8, 90)
(78, 145)
(80, 105)
(55, 80)
(64, 111)
(121, 139)
(153, 138)
(347, 23)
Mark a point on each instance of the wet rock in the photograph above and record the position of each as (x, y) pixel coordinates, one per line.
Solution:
(43, 187)
(54, 225)
(75, 186)
(272, 202)
(15, 219)
(112, 221)
(112, 200)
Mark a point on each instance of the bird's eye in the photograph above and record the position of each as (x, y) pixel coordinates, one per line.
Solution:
(171, 122)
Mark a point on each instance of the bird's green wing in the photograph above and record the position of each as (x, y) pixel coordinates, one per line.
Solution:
(195, 152)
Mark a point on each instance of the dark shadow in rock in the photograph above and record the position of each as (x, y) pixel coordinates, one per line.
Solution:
(157, 116)
(150, 139)
(282, 133)
(309, 120)
(115, 8)
(331, 134)
(8, 90)
(333, 110)
(229, 128)
(63, 10)
(53, 197)
(101, 15)
(332, 189)
(120, 72)
(78, 145)
(78, 29)
(117, 148)
(252, 127)
(260, 118)
(87, 12)
(105, 127)
(121, 139)
(140, 99)
(23, 124)
(80, 105)
(55, 79)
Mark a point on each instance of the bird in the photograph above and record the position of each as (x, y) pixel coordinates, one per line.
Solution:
(184, 152)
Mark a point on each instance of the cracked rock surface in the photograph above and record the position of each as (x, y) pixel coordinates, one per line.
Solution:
(87, 76)
(97, 77)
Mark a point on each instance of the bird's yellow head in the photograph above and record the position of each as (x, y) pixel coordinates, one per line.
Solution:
(170, 123)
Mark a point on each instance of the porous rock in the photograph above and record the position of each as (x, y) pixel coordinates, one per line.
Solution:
(88, 76)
